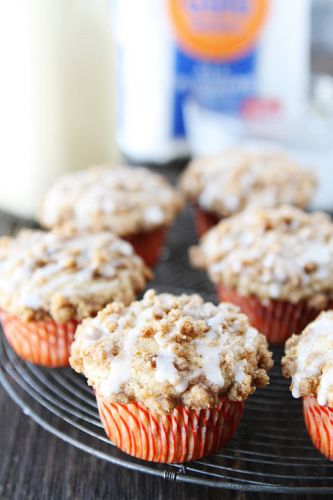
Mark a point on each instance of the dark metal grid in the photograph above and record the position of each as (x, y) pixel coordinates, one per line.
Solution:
(270, 452)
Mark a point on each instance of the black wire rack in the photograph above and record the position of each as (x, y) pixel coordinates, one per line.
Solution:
(271, 451)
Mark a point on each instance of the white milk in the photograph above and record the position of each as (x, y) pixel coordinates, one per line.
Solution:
(56, 96)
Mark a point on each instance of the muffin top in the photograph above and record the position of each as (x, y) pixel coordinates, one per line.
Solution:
(122, 199)
(63, 276)
(309, 360)
(279, 253)
(235, 179)
(166, 350)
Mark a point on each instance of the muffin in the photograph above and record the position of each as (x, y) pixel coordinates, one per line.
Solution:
(223, 185)
(133, 203)
(275, 264)
(171, 374)
(309, 363)
(49, 282)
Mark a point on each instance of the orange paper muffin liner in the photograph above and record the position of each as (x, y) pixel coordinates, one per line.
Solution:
(204, 221)
(148, 245)
(182, 436)
(45, 343)
(278, 320)
(319, 423)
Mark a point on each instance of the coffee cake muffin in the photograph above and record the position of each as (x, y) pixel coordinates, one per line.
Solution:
(309, 363)
(222, 185)
(134, 203)
(171, 373)
(49, 282)
(275, 264)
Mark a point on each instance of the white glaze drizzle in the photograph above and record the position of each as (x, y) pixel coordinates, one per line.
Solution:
(68, 266)
(240, 370)
(236, 179)
(114, 195)
(315, 357)
(210, 347)
(325, 385)
(121, 365)
(210, 361)
(267, 261)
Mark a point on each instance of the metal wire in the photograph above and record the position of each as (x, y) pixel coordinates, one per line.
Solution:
(271, 451)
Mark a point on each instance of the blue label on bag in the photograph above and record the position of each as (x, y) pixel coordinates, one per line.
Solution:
(220, 87)
(215, 55)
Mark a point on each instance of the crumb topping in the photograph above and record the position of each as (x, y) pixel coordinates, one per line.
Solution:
(239, 178)
(65, 276)
(166, 350)
(309, 360)
(122, 199)
(281, 253)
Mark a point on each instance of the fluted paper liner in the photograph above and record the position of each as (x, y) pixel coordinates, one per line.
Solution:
(182, 436)
(148, 245)
(45, 343)
(319, 423)
(278, 319)
(204, 221)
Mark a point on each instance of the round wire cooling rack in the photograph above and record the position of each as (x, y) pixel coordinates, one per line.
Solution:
(271, 451)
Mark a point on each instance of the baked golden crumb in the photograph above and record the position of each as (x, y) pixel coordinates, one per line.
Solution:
(121, 199)
(308, 360)
(65, 276)
(280, 253)
(166, 350)
(238, 178)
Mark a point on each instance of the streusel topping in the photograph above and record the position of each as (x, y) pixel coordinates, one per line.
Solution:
(280, 253)
(309, 360)
(122, 199)
(64, 276)
(239, 178)
(166, 350)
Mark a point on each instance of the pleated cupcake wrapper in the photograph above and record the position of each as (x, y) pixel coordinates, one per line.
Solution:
(148, 245)
(277, 320)
(45, 343)
(182, 436)
(319, 423)
(204, 221)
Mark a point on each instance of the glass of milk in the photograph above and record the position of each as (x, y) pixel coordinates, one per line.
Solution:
(56, 96)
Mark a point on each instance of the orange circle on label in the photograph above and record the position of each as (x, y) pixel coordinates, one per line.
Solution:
(217, 29)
